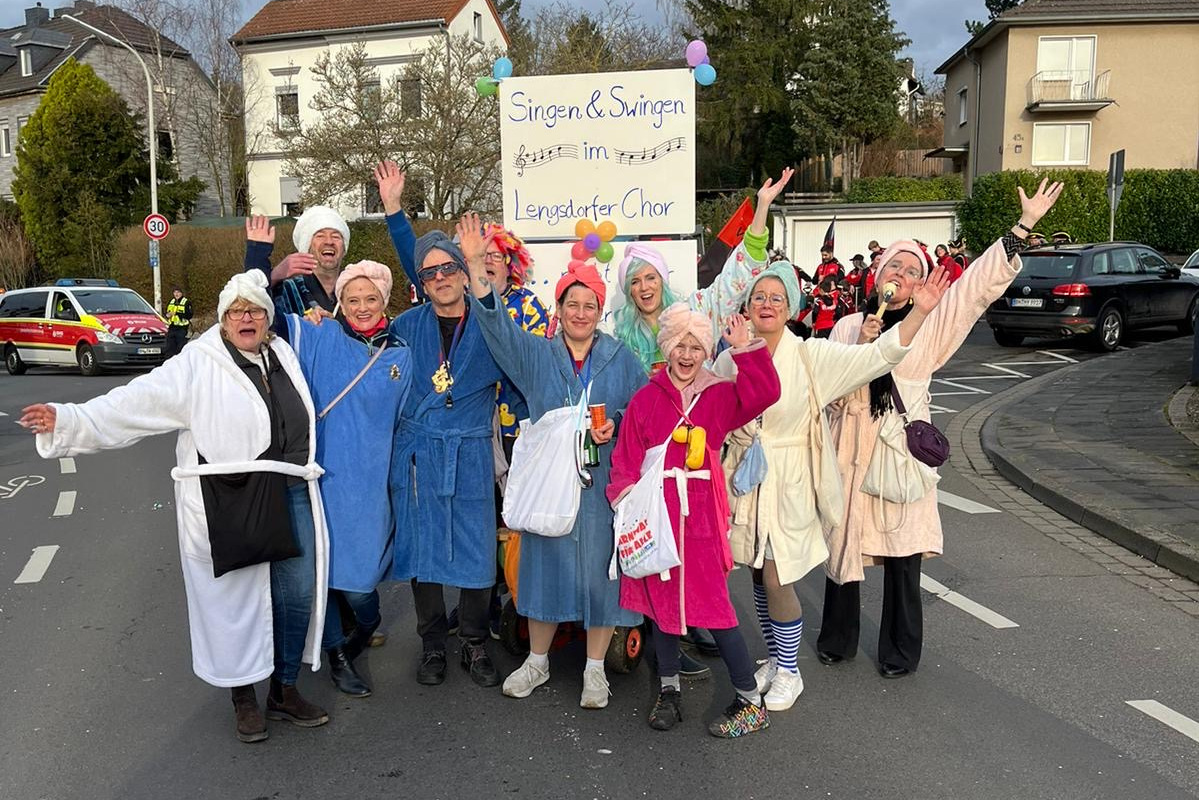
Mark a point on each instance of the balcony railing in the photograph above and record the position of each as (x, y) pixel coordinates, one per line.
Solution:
(1065, 89)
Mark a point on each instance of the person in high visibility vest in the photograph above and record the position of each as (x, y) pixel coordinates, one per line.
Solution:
(179, 322)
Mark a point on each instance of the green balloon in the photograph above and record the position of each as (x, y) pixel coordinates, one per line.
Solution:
(486, 87)
(604, 252)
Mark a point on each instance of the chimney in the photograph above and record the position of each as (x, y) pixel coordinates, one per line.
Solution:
(66, 8)
(36, 16)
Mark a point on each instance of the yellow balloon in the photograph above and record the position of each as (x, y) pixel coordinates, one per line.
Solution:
(606, 231)
(584, 227)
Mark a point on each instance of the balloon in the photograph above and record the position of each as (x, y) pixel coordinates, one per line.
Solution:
(604, 253)
(502, 68)
(705, 75)
(584, 227)
(696, 50)
(485, 87)
(606, 230)
(706, 60)
(592, 242)
(579, 252)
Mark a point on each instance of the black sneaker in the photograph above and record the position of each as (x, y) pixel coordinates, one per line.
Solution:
(666, 712)
(431, 670)
(740, 719)
(691, 669)
(476, 661)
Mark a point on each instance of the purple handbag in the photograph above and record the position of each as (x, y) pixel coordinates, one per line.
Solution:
(925, 442)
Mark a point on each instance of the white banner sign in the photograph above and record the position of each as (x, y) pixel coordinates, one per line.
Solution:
(616, 146)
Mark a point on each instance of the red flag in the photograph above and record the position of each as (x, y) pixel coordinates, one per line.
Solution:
(726, 241)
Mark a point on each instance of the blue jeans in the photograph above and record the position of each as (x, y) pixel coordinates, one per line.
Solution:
(365, 606)
(293, 585)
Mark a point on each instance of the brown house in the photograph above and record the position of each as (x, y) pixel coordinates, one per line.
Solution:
(1064, 83)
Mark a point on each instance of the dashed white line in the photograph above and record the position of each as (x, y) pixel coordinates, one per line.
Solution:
(964, 504)
(66, 504)
(39, 562)
(66, 466)
(972, 608)
(1167, 716)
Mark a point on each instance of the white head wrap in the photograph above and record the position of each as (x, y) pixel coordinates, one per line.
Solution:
(249, 286)
(314, 219)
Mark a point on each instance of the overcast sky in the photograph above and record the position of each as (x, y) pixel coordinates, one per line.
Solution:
(934, 26)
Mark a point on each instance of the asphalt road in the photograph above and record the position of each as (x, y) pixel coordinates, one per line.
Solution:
(97, 698)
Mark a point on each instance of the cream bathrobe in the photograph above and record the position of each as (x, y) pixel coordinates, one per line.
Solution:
(207, 398)
(868, 528)
(801, 493)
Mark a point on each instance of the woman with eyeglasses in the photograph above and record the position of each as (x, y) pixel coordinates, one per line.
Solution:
(776, 521)
(246, 453)
(563, 578)
(868, 530)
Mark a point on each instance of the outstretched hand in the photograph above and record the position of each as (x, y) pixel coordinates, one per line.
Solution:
(474, 246)
(1033, 209)
(260, 229)
(390, 180)
(38, 418)
(772, 189)
(926, 296)
(737, 332)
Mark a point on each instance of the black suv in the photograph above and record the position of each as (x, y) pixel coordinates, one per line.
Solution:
(1094, 290)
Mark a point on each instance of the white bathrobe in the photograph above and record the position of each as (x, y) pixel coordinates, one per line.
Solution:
(205, 396)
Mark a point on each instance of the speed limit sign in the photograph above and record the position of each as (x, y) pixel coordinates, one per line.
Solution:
(156, 227)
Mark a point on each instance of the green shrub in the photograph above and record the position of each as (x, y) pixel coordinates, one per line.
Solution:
(906, 190)
(1159, 208)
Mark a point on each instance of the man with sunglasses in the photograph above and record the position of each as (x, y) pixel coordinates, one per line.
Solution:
(443, 470)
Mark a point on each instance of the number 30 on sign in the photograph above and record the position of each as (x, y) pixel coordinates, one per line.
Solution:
(156, 227)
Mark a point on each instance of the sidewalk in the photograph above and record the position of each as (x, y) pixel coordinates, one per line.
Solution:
(1093, 442)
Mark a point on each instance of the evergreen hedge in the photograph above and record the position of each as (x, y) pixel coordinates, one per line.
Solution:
(906, 190)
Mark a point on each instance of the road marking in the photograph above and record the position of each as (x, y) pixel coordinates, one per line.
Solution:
(65, 505)
(963, 504)
(67, 465)
(936, 409)
(39, 562)
(15, 485)
(1058, 356)
(965, 604)
(1167, 716)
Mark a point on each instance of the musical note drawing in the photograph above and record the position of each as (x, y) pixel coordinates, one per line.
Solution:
(525, 160)
(650, 154)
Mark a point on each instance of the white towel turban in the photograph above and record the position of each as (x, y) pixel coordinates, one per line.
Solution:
(314, 219)
(249, 286)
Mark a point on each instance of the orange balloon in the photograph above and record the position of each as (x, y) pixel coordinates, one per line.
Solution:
(584, 227)
(606, 231)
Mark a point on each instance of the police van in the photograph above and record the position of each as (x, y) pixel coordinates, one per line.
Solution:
(79, 322)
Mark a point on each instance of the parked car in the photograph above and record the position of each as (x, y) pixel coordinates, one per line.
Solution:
(1191, 266)
(80, 322)
(1099, 291)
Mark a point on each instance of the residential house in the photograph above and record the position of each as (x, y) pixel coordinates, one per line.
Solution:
(1065, 83)
(30, 54)
(281, 43)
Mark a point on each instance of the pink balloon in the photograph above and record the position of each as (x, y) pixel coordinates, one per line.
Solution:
(696, 52)
(592, 242)
(579, 252)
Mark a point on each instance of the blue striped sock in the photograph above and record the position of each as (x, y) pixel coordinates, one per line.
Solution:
(764, 620)
(787, 636)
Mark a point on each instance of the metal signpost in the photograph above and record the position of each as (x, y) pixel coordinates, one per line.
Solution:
(1115, 188)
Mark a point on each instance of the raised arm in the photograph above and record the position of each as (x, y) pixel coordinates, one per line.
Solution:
(390, 180)
(840, 368)
(260, 242)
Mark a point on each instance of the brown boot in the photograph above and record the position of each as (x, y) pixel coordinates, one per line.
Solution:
(251, 727)
(287, 704)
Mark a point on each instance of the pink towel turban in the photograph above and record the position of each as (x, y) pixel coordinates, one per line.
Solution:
(373, 271)
(676, 322)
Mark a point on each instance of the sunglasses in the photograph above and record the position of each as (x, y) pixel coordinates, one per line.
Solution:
(447, 269)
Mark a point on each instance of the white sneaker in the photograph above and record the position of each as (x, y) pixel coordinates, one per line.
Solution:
(525, 679)
(785, 689)
(765, 674)
(595, 688)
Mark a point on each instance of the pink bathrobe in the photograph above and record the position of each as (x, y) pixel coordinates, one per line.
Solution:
(723, 406)
(871, 528)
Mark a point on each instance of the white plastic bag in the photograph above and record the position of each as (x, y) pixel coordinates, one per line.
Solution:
(543, 491)
(644, 536)
(893, 474)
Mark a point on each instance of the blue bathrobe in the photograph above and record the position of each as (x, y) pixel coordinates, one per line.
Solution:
(354, 444)
(566, 578)
(443, 472)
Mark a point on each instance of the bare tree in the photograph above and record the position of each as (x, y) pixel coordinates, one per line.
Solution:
(562, 40)
(16, 254)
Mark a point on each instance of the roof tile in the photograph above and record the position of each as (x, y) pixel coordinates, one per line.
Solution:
(279, 17)
(1092, 8)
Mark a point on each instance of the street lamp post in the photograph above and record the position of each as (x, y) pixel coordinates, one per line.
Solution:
(151, 139)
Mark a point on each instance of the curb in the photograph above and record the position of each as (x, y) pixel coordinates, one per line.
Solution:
(1158, 546)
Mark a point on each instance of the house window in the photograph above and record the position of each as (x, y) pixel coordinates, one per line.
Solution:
(1066, 144)
(289, 197)
(372, 93)
(166, 147)
(410, 97)
(1066, 58)
(26, 62)
(288, 106)
(962, 111)
(5, 139)
(478, 27)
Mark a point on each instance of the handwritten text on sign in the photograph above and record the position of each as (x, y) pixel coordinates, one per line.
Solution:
(616, 145)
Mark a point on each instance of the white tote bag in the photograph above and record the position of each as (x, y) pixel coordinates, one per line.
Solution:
(893, 474)
(644, 536)
(543, 491)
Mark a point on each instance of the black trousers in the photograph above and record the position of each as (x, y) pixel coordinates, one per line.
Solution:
(901, 629)
(431, 622)
(176, 338)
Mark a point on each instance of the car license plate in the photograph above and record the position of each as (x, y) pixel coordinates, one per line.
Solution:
(149, 351)
(1027, 302)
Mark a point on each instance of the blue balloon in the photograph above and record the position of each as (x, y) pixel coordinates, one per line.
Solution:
(502, 68)
(705, 75)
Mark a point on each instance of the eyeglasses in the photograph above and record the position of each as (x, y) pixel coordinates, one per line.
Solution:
(761, 299)
(447, 269)
(254, 313)
(911, 273)
(494, 258)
